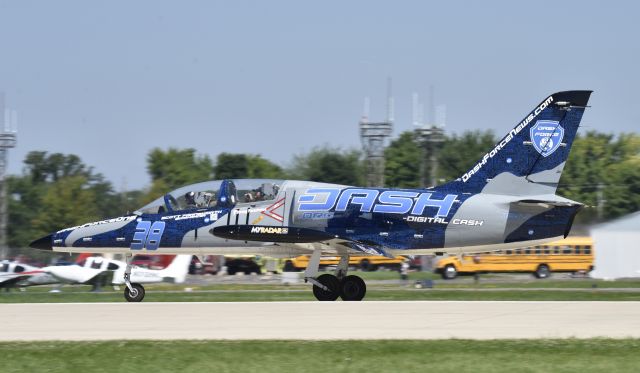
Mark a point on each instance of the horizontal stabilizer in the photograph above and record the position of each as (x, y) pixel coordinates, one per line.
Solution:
(547, 204)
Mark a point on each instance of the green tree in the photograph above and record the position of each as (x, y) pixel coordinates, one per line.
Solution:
(174, 168)
(261, 168)
(459, 153)
(231, 166)
(585, 171)
(402, 162)
(66, 203)
(456, 155)
(240, 166)
(56, 190)
(24, 205)
(622, 193)
(603, 169)
(329, 165)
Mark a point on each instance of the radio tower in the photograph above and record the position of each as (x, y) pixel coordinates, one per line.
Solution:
(430, 136)
(373, 136)
(8, 124)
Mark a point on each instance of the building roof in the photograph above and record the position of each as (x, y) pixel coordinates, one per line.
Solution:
(629, 222)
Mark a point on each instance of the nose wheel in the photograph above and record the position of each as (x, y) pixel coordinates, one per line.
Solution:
(135, 293)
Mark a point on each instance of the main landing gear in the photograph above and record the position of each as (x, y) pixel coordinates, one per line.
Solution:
(133, 292)
(329, 287)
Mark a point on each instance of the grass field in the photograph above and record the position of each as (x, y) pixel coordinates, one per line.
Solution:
(596, 355)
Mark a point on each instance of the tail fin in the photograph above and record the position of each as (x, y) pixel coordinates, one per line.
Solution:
(530, 158)
(178, 269)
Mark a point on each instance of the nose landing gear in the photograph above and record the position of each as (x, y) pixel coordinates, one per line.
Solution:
(133, 292)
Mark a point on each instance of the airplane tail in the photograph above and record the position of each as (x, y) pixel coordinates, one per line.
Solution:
(177, 271)
(529, 160)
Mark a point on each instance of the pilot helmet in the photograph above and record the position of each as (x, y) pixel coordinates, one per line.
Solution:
(190, 197)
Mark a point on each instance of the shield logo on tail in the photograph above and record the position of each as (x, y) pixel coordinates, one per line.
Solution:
(546, 136)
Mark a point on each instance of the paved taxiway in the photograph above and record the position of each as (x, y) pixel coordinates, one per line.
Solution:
(319, 320)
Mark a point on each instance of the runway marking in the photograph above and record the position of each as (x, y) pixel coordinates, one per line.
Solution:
(320, 320)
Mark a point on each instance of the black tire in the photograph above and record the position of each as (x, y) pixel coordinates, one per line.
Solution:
(332, 283)
(449, 272)
(352, 288)
(543, 271)
(137, 295)
(365, 265)
(231, 271)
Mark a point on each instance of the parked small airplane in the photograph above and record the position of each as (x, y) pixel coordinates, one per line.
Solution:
(93, 270)
(14, 274)
(506, 200)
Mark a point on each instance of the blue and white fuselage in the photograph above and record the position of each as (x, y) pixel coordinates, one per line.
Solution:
(507, 199)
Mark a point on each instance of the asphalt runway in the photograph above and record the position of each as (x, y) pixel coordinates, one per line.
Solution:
(319, 320)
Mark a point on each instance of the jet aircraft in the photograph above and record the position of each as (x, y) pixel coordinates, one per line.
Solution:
(506, 200)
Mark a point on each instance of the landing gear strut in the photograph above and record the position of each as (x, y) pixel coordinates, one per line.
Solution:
(133, 292)
(329, 287)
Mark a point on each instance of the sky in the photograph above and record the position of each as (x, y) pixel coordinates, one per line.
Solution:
(111, 80)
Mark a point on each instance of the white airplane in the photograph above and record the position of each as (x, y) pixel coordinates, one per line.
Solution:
(95, 271)
(15, 274)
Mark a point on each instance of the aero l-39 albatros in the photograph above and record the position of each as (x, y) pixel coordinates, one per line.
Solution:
(506, 200)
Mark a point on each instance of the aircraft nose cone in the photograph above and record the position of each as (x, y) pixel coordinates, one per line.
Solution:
(44, 243)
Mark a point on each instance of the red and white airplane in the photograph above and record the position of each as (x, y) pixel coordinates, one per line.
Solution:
(16, 274)
(94, 270)
(90, 270)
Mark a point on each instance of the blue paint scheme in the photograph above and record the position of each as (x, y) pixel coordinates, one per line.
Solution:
(395, 202)
(526, 160)
(389, 201)
(366, 228)
(551, 223)
(377, 219)
(140, 235)
(318, 199)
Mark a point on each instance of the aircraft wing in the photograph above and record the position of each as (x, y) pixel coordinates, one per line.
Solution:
(335, 246)
(75, 274)
(370, 249)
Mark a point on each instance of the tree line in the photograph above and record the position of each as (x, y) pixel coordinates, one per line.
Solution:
(58, 190)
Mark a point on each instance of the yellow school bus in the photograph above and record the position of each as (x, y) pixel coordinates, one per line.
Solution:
(573, 254)
(365, 263)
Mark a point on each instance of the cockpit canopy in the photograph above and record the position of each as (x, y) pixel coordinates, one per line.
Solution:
(211, 194)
